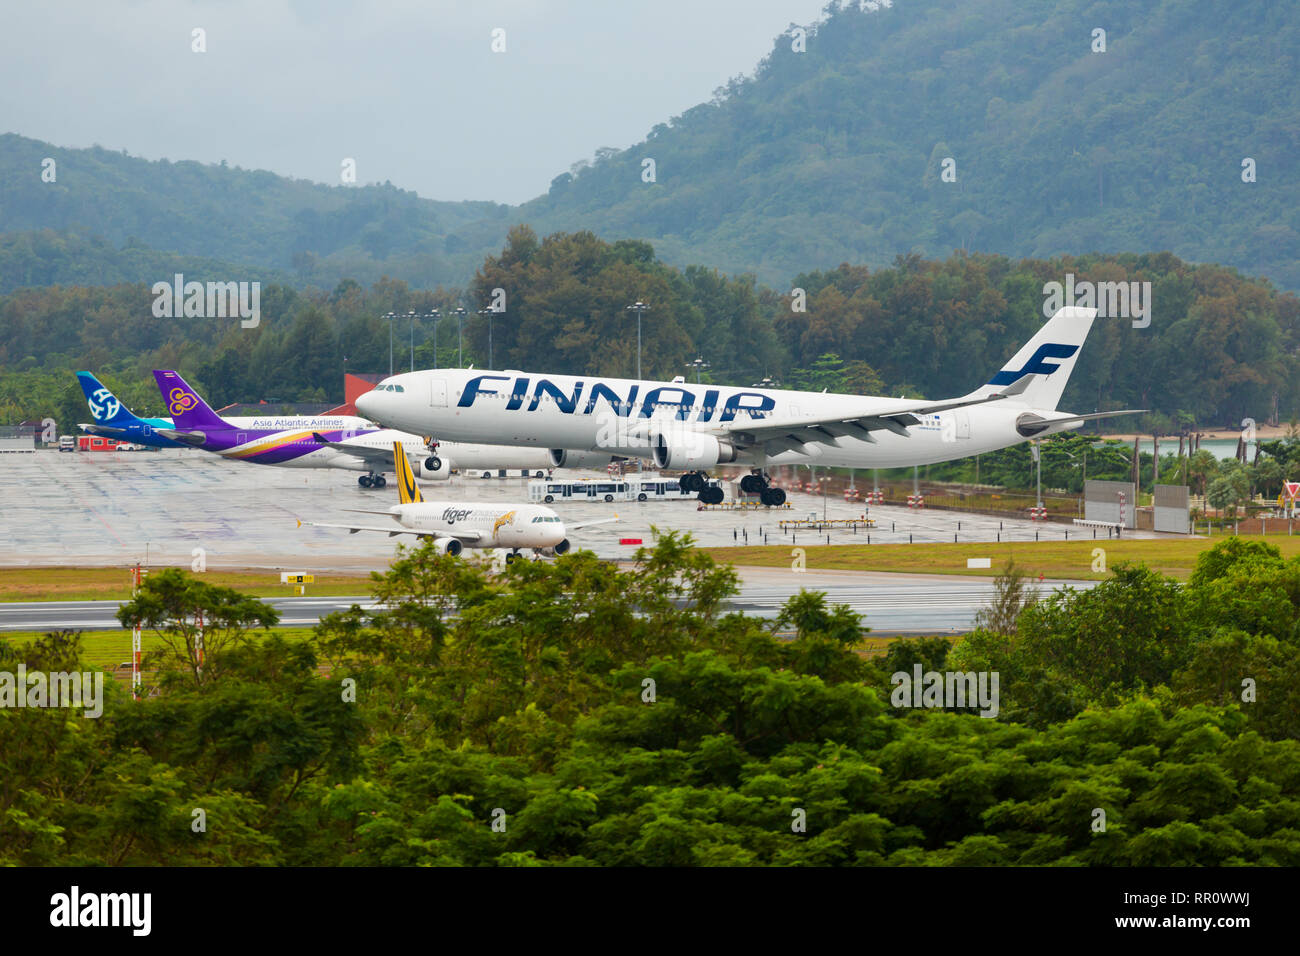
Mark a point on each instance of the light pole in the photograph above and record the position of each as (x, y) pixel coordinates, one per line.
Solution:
(489, 312)
(411, 316)
(390, 316)
(459, 313)
(638, 307)
(699, 364)
(1038, 463)
(435, 315)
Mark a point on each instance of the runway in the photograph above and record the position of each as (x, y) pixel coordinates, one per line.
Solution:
(890, 603)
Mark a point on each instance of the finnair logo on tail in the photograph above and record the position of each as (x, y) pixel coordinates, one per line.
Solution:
(216, 300)
(1036, 364)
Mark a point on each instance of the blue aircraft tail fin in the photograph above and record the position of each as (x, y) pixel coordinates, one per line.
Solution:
(105, 407)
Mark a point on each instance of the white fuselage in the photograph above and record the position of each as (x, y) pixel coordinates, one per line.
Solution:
(508, 526)
(287, 441)
(594, 413)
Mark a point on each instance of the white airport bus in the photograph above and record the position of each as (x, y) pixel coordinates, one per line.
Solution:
(646, 486)
(502, 473)
(581, 489)
(652, 486)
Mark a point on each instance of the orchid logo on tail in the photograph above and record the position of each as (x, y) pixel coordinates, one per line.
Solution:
(180, 401)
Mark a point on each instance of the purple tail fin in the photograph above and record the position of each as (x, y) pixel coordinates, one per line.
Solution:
(183, 403)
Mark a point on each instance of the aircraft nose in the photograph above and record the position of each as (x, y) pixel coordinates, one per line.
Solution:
(367, 405)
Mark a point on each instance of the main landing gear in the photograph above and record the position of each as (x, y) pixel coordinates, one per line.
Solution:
(756, 483)
(372, 480)
(697, 483)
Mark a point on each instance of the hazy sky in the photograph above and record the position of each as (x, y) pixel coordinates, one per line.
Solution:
(408, 88)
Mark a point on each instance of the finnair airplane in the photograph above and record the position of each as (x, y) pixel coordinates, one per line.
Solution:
(362, 447)
(694, 428)
(456, 525)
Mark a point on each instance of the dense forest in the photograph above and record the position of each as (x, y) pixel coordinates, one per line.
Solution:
(578, 713)
(833, 154)
(1219, 347)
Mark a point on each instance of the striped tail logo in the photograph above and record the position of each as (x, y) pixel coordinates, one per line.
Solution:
(408, 492)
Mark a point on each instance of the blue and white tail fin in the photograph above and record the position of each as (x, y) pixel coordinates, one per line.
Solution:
(105, 408)
(1040, 370)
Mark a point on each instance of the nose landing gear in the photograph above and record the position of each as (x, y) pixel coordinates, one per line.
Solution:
(372, 480)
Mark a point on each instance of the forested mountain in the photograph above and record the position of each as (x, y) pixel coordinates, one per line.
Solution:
(835, 154)
(260, 224)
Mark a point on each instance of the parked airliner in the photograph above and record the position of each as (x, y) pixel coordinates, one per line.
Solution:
(693, 428)
(318, 441)
(455, 525)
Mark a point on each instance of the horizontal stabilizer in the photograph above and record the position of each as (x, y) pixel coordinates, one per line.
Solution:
(187, 438)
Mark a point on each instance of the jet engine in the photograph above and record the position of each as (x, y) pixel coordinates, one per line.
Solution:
(571, 458)
(433, 468)
(562, 547)
(681, 450)
(450, 546)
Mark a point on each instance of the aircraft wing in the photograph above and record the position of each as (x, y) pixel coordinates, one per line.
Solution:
(371, 456)
(393, 530)
(793, 434)
(588, 524)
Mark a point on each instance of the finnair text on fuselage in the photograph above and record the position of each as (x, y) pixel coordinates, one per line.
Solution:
(529, 393)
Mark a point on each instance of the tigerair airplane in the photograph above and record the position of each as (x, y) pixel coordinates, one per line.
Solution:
(456, 525)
